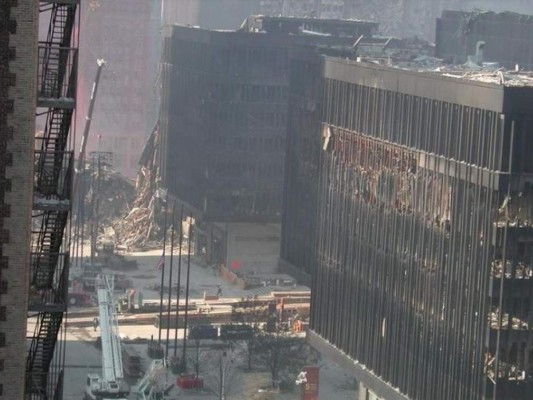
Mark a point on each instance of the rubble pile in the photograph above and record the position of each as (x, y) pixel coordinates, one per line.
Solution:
(116, 194)
(141, 229)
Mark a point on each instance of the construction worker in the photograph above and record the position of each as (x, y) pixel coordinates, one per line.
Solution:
(95, 323)
(219, 290)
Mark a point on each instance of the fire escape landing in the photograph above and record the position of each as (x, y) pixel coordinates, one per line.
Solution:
(56, 94)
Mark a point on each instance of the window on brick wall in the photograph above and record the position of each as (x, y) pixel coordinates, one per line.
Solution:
(3, 287)
(2, 339)
(1, 389)
(1, 365)
(3, 313)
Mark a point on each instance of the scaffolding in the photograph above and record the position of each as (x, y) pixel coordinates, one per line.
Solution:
(54, 162)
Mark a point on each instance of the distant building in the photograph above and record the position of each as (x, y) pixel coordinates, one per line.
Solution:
(399, 18)
(408, 201)
(505, 37)
(224, 113)
(324, 9)
(125, 34)
(209, 14)
(407, 18)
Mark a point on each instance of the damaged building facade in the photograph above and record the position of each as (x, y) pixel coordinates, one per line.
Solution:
(399, 18)
(223, 124)
(505, 38)
(419, 189)
(406, 18)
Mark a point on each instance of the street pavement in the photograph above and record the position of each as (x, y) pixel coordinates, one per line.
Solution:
(83, 357)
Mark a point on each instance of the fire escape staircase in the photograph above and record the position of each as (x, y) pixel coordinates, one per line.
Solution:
(56, 92)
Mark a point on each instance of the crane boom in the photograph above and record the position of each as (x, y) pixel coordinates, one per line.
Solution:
(111, 351)
(110, 385)
(89, 117)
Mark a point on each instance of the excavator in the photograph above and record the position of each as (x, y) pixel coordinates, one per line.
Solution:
(111, 384)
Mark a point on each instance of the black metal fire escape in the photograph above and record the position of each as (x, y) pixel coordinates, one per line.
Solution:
(56, 94)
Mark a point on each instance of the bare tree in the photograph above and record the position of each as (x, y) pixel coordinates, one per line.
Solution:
(199, 358)
(251, 312)
(282, 355)
(223, 376)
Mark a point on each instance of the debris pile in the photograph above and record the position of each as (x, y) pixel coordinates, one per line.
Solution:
(116, 193)
(498, 77)
(141, 229)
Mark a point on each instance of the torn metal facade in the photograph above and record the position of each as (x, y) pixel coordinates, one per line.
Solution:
(422, 257)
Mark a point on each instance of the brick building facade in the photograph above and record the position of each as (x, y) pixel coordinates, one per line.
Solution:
(18, 37)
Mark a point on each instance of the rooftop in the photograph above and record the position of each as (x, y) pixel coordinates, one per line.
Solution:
(499, 77)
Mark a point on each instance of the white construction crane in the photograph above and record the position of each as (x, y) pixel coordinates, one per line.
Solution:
(109, 385)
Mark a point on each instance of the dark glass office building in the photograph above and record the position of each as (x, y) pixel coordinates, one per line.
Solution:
(409, 201)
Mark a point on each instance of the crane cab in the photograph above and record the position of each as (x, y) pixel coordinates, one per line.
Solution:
(92, 386)
(98, 389)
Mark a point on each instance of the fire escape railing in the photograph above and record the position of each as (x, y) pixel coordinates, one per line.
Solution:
(49, 261)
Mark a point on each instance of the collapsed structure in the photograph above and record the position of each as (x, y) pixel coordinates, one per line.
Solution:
(418, 188)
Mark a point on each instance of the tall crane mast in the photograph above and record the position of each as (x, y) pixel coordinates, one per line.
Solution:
(89, 117)
(110, 384)
(78, 184)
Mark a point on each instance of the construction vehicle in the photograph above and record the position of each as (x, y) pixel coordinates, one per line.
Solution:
(78, 296)
(110, 385)
(153, 385)
(132, 363)
(107, 255)
(90, 273)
